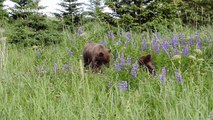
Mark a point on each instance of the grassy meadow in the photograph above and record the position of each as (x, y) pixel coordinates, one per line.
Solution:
(50, 83)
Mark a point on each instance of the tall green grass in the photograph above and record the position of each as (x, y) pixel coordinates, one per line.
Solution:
(31, 92)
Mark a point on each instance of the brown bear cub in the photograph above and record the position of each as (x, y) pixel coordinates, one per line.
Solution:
(147, 61)
(95, 55)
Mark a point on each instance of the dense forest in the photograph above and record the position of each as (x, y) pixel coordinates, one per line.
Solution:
(31, 27)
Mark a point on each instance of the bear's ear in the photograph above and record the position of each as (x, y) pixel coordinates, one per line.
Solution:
(109, 50)
(100, 54)
(148, 58)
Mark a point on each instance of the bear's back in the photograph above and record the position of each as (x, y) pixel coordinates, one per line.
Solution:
(94, 48)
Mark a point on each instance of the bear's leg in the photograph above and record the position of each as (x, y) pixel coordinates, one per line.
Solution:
(95, 66)
(87, 60)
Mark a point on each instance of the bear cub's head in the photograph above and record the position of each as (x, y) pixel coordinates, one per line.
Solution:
(147, 61)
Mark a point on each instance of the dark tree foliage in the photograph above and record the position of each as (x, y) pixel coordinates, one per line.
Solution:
(71, 12)
(3, 13)
(35, 30)
(195, 12)
(29, 27)
(151, 14)
(142, 14)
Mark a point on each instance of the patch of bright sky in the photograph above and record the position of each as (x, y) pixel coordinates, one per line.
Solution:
(51, 5)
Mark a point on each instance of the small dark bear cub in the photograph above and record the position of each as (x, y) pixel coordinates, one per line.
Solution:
(147, 61)
(95, 55)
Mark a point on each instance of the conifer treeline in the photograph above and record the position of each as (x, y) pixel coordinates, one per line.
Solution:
(127, 14)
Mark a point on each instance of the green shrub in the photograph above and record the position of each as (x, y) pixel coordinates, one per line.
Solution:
(35, 30)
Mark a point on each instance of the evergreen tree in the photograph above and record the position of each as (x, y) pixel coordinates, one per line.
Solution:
(142, 14)
(95, 8)
(95, 12)
(25, 8)
(31, 27)
(71, 11)
(195, 12)
(3, 13)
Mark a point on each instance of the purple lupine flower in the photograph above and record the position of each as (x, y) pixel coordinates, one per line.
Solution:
(109, 34)
(155, 45)
(171, 53)
(157, 36)
(165, 46)
(174, 41)
(117, 67)
(129, 61)
(181, 38)
(163, 75)
(119, 42)
(191, 41)
(164, 71)
(134, 73)
(162, 78)
(128, 36)
(154, 42)
(122, 63)
(157, 49)
(110, 84)
(55, 67)
(70, 53)
(186, 51)
(38, 54)
(179, 77)
(123, 85)
(176, 51)
(197, 35)
(210, 40)
(67, 67)
(144, 45)
(134, 70)
(182, 42)
(198, 44)
(117, 54)
(112, 35)
(105, 42)
(80, 31)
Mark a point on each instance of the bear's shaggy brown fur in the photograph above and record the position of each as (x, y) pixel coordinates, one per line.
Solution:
(147, 61)
(95, 55)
